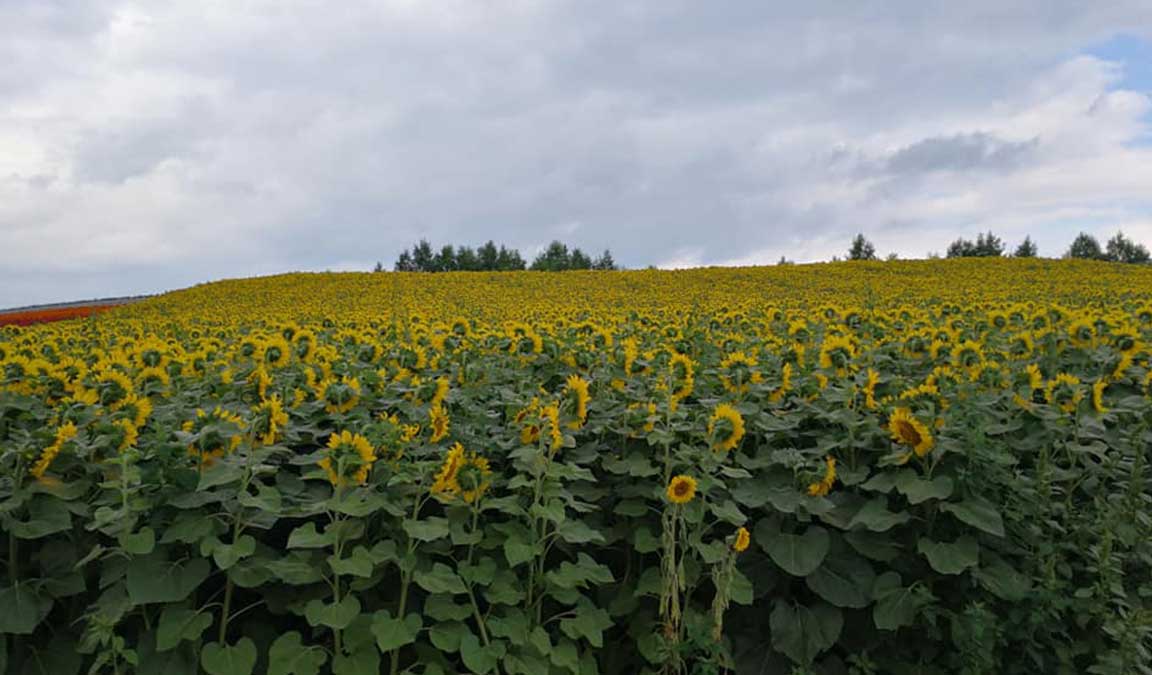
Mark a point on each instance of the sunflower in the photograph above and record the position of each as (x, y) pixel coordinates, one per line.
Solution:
(441, 392)
(578, 387)
(727, 413)
(824, 485)
(909, 431)
(114, 388)
(1098, 396)
(269, 420)
(1082, 333)
(777, 395)
(128, 434)
(683, 375)
(439, 423)
(837, 353)
(64, 433)
(870, 389)
(341, 395)
(551, 415)
(218, 432)
(738, 372)
(348, 452)
(681, 489)
(275, 351)
(743, 538)
(1064, 391)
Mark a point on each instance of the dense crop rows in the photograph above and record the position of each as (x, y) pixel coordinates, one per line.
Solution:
(853, 468)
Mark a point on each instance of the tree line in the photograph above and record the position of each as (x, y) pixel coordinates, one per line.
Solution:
(987, 245)
(556, 257)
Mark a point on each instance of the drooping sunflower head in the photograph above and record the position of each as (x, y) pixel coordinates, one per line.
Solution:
(1064, 391)
(275, 351)
(837, 352)
(349, 459)
(114, 388)
(725, 427)
(128, 433)
(681, 489)
(682, 374)
(216, 433)
(576, 388)
(823, 486)
(438, 423)
(269, 420)
(341, 395)
(742, 540)
(1098, 395)
(738, 372)
(909, 431)
(1082, 332)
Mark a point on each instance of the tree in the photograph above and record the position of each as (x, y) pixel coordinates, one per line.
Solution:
(509, 260)
(987, 245)
(1124, 250)
(466, 260)
(604, 262)
(861, 249)
(892, 257)
(555, 258)
(1026, 249)
(404, 262)
(579, 260)
(379, 267)
(445, 260)
(422, 257)
(1085, 247)
(488, 257)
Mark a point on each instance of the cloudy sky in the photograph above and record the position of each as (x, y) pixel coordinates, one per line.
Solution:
(152, 145)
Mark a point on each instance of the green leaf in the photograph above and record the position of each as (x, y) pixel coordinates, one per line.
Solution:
(799, 555)
(140, 543)
(440, 579)
(154, 579)
(46, 515)
(918, 490)
(446, 636)
(227, 555)
(289, 656)
(392, 632)
(875, 516)
(589, 623)
(336, 615)
(359, 564)
(478, 659)
(297, 568)
(844, 580)
(518, 551)
(896, 605)
(872, 545)
(443, 608)
(364, 661)
(950, 558)
(306, 536)
(802, 633)
(177, 624)
(266, 499)
(979, 513)
(22, 609)
(740, 590)
(220, 473)
(238, 659)
(1003, 581)
(430, 529)
(576, 532)
(579, 574)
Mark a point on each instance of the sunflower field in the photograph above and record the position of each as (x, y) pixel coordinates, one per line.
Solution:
(853, 468)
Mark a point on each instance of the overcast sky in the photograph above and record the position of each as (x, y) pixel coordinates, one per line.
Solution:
(149, 146)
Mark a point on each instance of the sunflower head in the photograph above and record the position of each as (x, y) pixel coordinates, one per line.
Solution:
(725, 427)
(909, 431)
(681, 489)
(269, 420)
(349, 459)
(1064, 391)
(743, 539)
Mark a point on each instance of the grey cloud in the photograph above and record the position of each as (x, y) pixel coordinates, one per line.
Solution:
(960, 152)
(304, 137)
